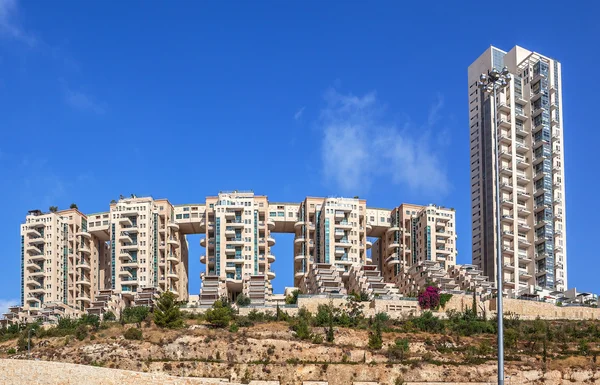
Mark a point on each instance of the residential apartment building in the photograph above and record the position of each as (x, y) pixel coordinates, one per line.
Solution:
(60, 260)
(330, 231)
(529, 123)
(238, 241)
(416, 234)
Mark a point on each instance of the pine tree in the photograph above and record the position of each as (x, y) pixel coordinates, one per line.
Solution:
(167, 313)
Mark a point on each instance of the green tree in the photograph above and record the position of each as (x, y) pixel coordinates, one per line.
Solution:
(53, 209)
(375, 337)
(167, 313)
(242, 300)
(81, 332)
(330, 335)
(220, 315)
(73, 206)
(302, 329)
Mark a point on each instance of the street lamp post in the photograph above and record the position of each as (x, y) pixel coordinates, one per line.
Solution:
(491, 83)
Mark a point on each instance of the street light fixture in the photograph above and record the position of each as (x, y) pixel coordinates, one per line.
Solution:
(490, 83)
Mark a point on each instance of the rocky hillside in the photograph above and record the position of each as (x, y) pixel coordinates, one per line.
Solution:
(272, 351)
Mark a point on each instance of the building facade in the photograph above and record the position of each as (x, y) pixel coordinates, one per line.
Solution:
(529, 123)
(416, 234)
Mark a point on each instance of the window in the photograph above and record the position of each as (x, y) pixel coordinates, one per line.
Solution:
(281, 214)
(178, 216)
(272, 214)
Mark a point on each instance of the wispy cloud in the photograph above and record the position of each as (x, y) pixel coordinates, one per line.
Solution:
(358, 146)
(5, 303)
(82, 101)
(9, 25)
(299, 113)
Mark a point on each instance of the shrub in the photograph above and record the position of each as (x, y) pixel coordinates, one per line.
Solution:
(324, 315)
(81, 332)
(11, 351)
(427, 322)
(135, 314)
(220, 315)
(233, 328)
(133, 334)
(330, 335)
(91, 320)
(430, 298)
(317, 339)
(444, 298)
(242, 300)
(399, 350)
(109, 316)
(292, 299)
(167, 313)
(243, 321)
(382, 317)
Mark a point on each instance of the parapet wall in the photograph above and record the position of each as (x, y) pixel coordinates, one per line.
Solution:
(406, 307)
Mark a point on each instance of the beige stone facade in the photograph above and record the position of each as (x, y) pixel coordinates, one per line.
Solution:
(530, 152)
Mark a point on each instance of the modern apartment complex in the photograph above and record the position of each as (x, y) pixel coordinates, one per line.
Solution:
(139, 245)
(529, 123)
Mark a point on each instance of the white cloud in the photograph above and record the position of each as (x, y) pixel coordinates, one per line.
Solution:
(299, 113)
(82, 101)
(9, 26)
(5, 303)
(358, 147)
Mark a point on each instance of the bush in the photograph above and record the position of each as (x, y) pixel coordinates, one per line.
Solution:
(109, 316)
(243, 321)
(133, 334)
(399, 350)
(430, 298)
(135, 314)
(444, 298)
(317, 339)
(91, 320)
(11, 351)
(324, 315)
(167, 313)
(233, 328)
(220, 315)
(427, 322)
(292, 299)
(330, 335)
(81, 332)
(242, 300)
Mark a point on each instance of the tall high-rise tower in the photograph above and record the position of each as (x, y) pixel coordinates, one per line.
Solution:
(528, 115)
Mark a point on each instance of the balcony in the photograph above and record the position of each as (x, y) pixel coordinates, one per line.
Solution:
(345, 225)
(271, 275)
(39, 273)
(507, 203)
(393, 245)
(299, 224)
(239, 241)
(271, 224)
(125, 221)
(393, 259)
(85, 265)
(298, 274)
(230, 232)
(125, 238)
(173, 242)
(339, 251)
(270, 241)
(299, 257)
(270, 258)
(230, 250)
(299, 239)
(34, 283)
(392, 229)
(173, 275)
(369, 244)
(173, 226)
(30, 264)
(506, 187)
(84, 234)
(172, 258)
(339, 233)
(203, 258)
(503, 123)
(84, 281)
(504, 107)
(83, 298)
(522, 148)
(125, 273)
(132, 246)
(31, 232)
(230, 214)
(508, 218)
(340, 214)
(524, 226)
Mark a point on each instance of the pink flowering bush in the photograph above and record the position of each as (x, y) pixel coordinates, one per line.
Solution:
(430, 298)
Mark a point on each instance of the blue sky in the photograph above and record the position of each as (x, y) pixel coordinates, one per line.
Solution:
(289, 99)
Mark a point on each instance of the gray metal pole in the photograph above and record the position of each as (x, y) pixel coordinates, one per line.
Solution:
(499, 252)
(29, 344)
